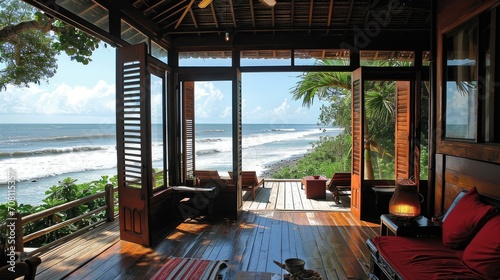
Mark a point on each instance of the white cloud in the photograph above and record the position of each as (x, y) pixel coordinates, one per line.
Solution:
(256, 110)
(226, 113)
(285, 112)
(96, 103)
(457, 107)
(282, 109)
(62, 100)
(210, 102)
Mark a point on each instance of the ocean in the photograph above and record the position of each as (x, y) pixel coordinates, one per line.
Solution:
(38, 156)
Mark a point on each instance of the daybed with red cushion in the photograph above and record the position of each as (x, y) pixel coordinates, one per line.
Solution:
(469, 247)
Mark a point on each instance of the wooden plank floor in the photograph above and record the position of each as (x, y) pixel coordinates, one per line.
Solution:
(331, 242)
(289, 195)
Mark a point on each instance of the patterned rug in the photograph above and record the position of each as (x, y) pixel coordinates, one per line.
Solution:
(186, 268)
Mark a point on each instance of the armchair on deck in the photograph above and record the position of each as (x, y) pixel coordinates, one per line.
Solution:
(341, 181)
(249, 181)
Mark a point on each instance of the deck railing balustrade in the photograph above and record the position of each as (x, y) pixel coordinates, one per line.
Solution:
(109, 208)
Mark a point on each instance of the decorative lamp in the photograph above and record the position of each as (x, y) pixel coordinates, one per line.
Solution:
(405, 202)
(227, 37)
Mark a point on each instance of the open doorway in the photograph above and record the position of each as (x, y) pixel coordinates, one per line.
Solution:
(275, 127)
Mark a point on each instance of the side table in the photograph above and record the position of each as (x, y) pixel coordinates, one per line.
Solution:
(315, 188)
(416, 227)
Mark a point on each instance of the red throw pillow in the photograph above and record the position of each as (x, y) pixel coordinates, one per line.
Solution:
(468, 216)
(483, 253)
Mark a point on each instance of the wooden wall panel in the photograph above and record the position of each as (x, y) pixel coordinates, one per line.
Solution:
(460, 173)
(460, 165)
(438, 184)
(452, 14)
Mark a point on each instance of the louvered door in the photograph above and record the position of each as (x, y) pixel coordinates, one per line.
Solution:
(133, 127)
(357, 168)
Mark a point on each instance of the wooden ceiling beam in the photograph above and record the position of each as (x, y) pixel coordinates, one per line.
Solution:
(193, 18)
(152, 7)
(349, 14)
(330, 13)
(188, 7)
(170, 11)
(233, 17)
(285, 41)
(214, 15)
(311, 10)
(252, 12)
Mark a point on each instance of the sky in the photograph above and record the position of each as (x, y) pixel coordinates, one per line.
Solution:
(86, 94)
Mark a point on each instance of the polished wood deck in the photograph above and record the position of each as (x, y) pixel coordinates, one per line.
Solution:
(289, 195)
(331, 242)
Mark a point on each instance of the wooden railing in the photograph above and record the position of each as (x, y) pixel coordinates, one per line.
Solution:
(108, 194)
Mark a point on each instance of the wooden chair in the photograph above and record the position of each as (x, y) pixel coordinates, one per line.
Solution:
(341, 181)
(249, 181)
(207, 176)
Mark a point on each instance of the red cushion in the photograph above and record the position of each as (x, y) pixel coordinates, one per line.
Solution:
(423, 258)
(468, 216)
(483, 252)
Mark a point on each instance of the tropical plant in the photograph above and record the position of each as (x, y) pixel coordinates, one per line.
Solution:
(30, 41)
(327, 157)
(67, 190)
(335, 87)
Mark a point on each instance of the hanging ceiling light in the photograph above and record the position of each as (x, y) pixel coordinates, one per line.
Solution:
(269, 3)
(204, 3)
(227, 36)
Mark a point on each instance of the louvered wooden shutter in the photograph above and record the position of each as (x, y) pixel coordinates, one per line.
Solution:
(357, 168)
(403, 129)
(189, 139)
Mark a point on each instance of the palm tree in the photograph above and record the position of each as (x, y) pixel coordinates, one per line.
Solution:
(322, 84)
(379, 102)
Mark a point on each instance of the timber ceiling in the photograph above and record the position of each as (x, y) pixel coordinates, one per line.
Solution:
(329, 24)
(289, 21)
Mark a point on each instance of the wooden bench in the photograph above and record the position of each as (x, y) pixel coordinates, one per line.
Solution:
(341, 181)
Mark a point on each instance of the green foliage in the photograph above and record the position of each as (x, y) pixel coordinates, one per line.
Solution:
(330, 155)
(65, 191)
(29, 62)
(335, 88)
(30, 42)
(77, 44)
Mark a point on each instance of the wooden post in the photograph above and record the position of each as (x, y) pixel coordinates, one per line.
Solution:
(110, 202)
(19, 232)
